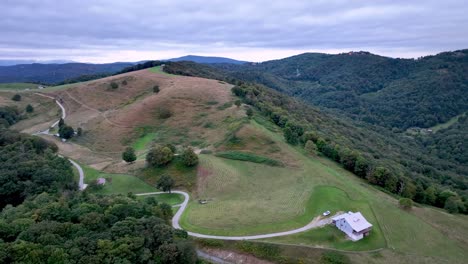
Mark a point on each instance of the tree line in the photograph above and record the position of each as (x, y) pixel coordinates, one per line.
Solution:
(363, 166)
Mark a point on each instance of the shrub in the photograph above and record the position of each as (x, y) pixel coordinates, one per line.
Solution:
(249, 112)
(165, 183)
(124, 82)
(310, 147)
(334, 258)
(189, 158)
(29, 108)
(159, 156)
(164, 113)
(114, 85)
(16, 97)
(129, 155)
(156, 89)
(405, 203)
(79, 131)
(238, 103)
(66, 132)
(244, 156)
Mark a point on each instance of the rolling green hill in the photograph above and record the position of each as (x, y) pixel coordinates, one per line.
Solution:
(395, 93)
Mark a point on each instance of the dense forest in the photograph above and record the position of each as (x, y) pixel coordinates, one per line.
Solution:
(382, 154)
(394, 93)
(29, 166)
(84, 228)
(45, 220)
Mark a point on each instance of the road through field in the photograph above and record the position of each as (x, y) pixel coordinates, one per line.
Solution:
(175, 220)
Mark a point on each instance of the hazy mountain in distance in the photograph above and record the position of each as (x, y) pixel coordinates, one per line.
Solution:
(207, 60)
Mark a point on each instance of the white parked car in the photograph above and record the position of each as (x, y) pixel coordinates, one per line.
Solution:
(326, 213)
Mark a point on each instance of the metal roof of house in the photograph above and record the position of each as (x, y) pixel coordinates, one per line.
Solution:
(355, 220)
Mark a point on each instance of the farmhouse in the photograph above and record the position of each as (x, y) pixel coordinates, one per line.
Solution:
(353, 224)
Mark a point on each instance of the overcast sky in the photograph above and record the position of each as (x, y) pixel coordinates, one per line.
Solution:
(121, 30)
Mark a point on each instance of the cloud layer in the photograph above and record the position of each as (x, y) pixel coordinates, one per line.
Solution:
(118, 30)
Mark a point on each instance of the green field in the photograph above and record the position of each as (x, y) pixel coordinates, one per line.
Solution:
(18, 86)
(246, 198)
(117, 183)
(157, 69)
(447, 124)
(143, 142)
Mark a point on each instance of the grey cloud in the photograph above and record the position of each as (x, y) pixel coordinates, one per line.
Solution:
(37, 28)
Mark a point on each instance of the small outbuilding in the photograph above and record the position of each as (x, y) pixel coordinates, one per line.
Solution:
(101, 181)
(353, 224)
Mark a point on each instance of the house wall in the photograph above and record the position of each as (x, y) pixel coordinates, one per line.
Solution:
(344, 226)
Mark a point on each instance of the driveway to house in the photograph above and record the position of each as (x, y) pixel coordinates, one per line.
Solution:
(175, 223)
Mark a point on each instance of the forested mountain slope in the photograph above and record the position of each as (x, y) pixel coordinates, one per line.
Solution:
(55, 73)
(408, 162)
(395, 93)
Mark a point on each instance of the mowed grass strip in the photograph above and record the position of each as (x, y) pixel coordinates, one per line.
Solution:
(158, 69)
(246, 156)
(117, 183)
(143, 142)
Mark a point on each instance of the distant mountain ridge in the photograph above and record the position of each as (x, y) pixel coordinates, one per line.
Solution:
(56, 73)
(207, 60)
(17, 62)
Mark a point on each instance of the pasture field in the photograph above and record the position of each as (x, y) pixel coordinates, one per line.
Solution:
(18, 86)
(117, 183)
(158, 69)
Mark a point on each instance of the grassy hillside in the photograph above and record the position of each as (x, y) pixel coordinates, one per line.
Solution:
(245, 194)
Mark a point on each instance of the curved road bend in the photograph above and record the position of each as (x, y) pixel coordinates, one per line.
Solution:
(176, 218)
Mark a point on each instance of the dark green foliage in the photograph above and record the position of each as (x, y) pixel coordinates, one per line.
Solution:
(238, 103)
(245, 156)
(79, 131)
(159, 156)
(164, 113)
(129, 155)
(8, 116)
(16, 97)
(262, 250)
(171, 147)
(29, 108)
(66, 131)
(84, 228)
(310, 147)
(156, 89)
(141, 66)
(332, 257)
(409, 161)
(454, 205)
(61, 122)
(84, 78)
(114, 85)
(189, 158)
(405, 203)
(28, 166)
(165, 183)
(249, 112)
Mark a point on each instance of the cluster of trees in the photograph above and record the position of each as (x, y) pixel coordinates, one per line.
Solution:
(85, 228)
(140, 66)
(159, 156)
(9, 116)
(364, 166)
(65, 131)
(28, 166)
